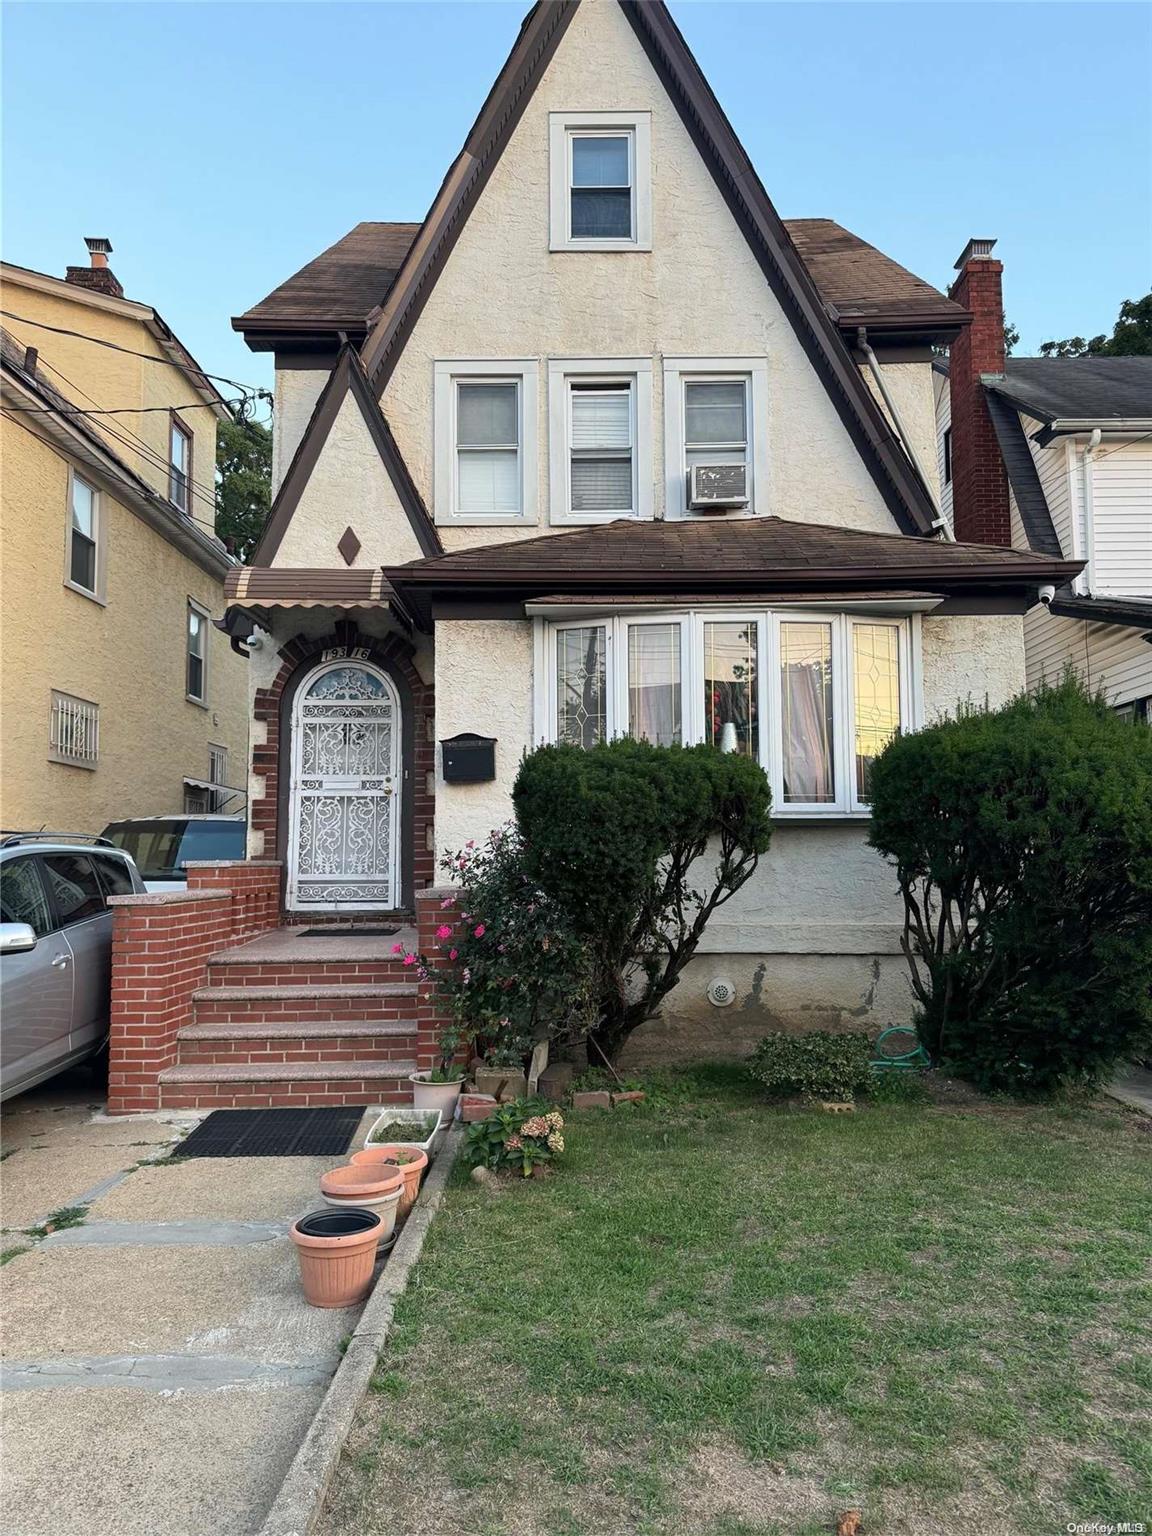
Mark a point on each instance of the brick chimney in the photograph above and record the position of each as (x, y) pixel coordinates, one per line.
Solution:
(979, 483)
(99, 275)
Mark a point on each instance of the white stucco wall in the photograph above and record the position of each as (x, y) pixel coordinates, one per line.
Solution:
(698, 292)
(483, 685)
(910, 385)
(976, 659)
(348, 488)
(297, 390)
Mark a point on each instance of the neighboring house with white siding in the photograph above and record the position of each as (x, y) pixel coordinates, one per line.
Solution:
(597, 449)
(1073, 437)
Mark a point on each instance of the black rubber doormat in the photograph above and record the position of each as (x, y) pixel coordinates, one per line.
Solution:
(274, 1133)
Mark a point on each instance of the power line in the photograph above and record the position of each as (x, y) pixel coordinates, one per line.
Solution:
(167, 362)
(116, 410)
(207, 492)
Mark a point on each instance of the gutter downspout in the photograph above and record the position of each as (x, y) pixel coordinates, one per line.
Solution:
(865, 346)
(1090, 448)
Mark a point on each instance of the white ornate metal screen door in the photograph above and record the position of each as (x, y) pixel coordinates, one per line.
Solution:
(344, 797)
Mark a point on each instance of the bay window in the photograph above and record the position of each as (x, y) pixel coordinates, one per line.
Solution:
(812, 696)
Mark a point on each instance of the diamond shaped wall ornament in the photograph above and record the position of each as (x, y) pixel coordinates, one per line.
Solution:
(349, 546)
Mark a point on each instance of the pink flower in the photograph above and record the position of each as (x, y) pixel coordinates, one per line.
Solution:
(443, 932)
(471, 843)
(479, 931)
(397, 949)
(446, 903)
(409, 959)
(452, 954)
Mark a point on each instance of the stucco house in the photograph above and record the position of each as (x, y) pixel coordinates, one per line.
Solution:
(603, 445)
(1054, 455)
(119, 696)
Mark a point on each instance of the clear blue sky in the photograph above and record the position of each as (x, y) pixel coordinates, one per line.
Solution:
(220, 146)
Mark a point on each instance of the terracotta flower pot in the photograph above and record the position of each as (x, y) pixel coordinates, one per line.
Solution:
(439, 1097)
(412, 1171)
(336, 1251)
(377, 1189)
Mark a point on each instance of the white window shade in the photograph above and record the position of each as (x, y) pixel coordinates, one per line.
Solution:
(488, 449)
(601, 418)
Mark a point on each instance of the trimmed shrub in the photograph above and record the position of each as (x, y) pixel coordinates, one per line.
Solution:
(1022, 842)
(819, 1065)
(638, 845)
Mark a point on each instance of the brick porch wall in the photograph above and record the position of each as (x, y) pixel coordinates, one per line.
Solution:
(394, 655)
(161, 945)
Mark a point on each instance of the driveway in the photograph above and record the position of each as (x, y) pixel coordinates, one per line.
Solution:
(159, 1364)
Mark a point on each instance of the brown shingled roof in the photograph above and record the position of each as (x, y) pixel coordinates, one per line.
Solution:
(340, 288)
(743, 555)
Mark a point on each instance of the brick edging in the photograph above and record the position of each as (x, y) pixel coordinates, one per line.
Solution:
(299, 1503)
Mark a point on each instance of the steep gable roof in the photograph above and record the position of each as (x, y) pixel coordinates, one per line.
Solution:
(897, 479)
(347, 377)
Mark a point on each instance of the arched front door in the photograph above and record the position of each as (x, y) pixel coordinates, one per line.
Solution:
(344, 819)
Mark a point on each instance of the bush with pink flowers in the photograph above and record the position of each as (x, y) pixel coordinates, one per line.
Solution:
(508, 965)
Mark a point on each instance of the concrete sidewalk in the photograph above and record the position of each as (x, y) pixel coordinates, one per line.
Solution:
(160, 1366)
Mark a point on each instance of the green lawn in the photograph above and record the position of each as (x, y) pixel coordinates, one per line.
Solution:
(724, 1318)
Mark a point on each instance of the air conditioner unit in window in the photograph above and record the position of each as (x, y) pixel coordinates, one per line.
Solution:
(717, 487)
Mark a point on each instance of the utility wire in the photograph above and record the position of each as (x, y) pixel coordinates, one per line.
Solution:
(218, 378)
(115, 410)
(207, 492)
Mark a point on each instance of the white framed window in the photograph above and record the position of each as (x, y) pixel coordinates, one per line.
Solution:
(715, 413)
(179, 464)
(196, 654)
(812, 696)
(600, 439)
(486, 430)
(600, 180)
(84, 567)
(74, 731)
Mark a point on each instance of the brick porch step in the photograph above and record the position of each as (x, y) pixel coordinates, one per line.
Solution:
(295, 1002)
(284, 955)
(291, 1083)
(319, 1041)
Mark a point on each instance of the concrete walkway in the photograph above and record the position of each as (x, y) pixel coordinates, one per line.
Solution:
(159, 1365)
(1134, 1088)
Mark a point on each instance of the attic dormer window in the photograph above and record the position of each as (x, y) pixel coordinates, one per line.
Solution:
(600, 181)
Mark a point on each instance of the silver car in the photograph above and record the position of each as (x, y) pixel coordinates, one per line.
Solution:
(55, 951)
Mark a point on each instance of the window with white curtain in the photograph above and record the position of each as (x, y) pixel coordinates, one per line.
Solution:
(485, 434)
(715, 421)
(813, 697)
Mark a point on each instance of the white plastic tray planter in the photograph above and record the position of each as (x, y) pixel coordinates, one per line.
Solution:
(404, 1114)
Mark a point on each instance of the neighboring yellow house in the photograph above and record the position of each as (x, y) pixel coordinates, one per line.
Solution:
(118, 695)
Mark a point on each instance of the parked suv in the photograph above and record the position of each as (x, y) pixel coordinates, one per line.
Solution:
(163, 845)
(55, 950)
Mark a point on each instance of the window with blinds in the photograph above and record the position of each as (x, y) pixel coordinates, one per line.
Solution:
(488, 477)
(715, 421)
(602, 468)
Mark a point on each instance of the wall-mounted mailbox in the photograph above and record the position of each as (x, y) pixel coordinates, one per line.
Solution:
(468, 759)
